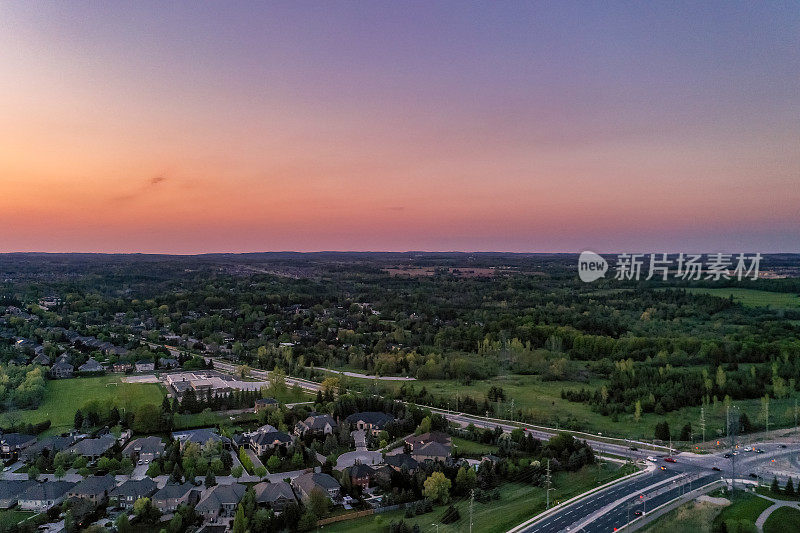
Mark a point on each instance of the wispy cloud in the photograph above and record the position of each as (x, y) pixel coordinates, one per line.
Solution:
(145, 188)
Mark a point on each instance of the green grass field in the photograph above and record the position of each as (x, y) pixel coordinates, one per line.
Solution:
(753, 298)
(472, 447)
(64, 396)
(11, 517)
(745, 507)
(694, 516)
(541, 400)
(783, 520)
(517, 503)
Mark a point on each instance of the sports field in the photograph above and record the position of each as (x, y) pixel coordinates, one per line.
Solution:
(64, 396)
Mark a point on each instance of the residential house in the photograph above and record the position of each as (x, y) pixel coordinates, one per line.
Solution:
(11, 444)
(431, 451)
(360, 475)
(122, 367)
(144, 449)
(317, 425)
(401, 461)
(41, 359)
(433, 445)
(93, 449)
(172, 495)
(220, 502)
(168, 362)
(372, 421)
(53, 445)
(198, 436)
(42, 496)
(306, 483)
(93, 488)
(275, 495)
(265, 403)
(145, 366)
(91, 366)
(126, 494)
(11, 489)
(61, 369)
(262, 442)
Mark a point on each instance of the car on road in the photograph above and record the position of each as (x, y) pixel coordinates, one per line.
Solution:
(753, 475)
(670, 460)
(782, 446)
(716, 469)
(638, 512)
(634, 449)
(663, 467)
(759, 450)
(727, 456)
(652, 459)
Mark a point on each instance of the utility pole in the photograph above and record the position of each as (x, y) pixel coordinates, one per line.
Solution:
(471, 503)
(733, 426)
(547, 478)
(512, 408)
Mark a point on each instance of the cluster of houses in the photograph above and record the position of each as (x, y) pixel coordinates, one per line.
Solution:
(216, 504)
(63, 367)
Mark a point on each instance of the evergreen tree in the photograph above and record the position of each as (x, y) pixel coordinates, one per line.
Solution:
(775, 488)
(789, 489)
(78, 421)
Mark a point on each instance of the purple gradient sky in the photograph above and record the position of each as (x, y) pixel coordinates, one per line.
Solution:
(243, 126)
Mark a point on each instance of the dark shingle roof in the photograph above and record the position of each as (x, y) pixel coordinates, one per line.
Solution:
(220, 495)
(376, 418)
(94, 485)
(173, 490)
(272, 492)
(135, 488)
(49, 490)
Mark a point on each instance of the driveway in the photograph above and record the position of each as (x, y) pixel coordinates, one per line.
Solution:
(139, 471)
(364, 457)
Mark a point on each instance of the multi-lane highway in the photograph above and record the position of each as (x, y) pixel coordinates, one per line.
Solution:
(613, 507)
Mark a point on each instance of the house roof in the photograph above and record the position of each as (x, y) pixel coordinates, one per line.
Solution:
(200, 436)
(266, 401)
(308, 482)
(144, 445)
(400, 460)
(317, 422)
(220, 495)
(90, 366)
(48, 490)
(97, 446)
(173, 490)
(13, 488)
(360, 470)
(94, 485)
(53, 443)
(272, 492)
(135, 488)
(62, 365)
(273, 437)
(16, 439)
(144, 362)
(432, 449)
(431, 436)
(376, 418)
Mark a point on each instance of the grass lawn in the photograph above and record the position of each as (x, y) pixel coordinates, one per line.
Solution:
(783, 520)
(10, 517)
(517, 503)
(744, 507)
(693, 516)
(754, 298)
(472, 447)
(64, 396)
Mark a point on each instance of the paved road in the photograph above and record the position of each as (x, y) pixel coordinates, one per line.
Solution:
(615, 506)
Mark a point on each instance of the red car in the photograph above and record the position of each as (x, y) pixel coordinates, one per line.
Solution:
(670, 460)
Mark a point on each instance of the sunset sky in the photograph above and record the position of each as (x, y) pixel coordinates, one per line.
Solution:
(507, 126)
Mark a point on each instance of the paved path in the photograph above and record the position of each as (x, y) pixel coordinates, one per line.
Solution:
(362, 376)
(762, 518)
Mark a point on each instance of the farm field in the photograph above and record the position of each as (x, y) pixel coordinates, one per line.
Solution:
(518, 502)
(63, 397)
(753, 298)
